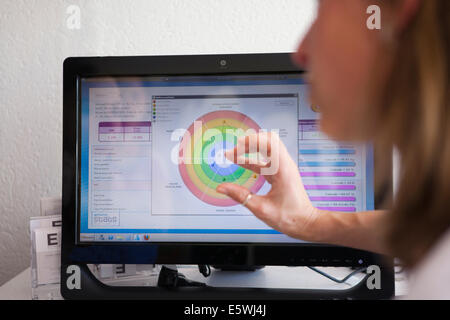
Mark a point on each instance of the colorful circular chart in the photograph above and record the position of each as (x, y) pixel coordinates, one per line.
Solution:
(203, 165)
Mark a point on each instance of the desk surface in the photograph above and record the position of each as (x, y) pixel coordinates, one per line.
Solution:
(19, 288)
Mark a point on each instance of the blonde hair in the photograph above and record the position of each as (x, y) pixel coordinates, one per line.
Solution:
(413, 115)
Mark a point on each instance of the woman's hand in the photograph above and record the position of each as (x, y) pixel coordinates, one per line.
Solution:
(286, 207)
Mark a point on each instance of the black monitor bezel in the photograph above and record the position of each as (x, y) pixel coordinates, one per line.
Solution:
(75, 68)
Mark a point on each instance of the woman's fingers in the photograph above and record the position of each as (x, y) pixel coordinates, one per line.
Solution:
(240, 194)
(258, 142)
(261, 149)
(254, 165)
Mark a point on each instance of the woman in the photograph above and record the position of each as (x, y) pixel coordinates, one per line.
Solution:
(390, 86)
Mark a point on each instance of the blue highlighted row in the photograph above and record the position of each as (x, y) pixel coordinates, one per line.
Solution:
(327, 164)
(319, 151)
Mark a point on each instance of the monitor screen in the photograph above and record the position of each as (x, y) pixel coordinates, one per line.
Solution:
(152, 154)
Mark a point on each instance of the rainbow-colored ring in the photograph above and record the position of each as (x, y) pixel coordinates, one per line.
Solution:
(198, 167)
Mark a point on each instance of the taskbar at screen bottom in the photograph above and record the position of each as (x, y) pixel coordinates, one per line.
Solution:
(182, 237)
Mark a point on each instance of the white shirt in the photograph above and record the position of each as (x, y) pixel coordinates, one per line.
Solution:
(430, 280)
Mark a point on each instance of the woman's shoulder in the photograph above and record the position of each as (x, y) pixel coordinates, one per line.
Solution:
(431, 278)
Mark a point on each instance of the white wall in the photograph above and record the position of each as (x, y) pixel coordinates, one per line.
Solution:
(34, 41)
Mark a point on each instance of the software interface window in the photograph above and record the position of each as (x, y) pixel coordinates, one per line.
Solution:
(152, 155)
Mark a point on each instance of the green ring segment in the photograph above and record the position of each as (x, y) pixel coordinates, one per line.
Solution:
(203, 170)
(213, 175)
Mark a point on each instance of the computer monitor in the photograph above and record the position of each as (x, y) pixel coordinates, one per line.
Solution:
(144, 139)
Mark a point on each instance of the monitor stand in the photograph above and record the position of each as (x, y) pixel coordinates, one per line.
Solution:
(169, 277)
(89, 287)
